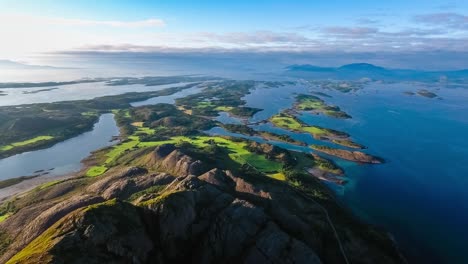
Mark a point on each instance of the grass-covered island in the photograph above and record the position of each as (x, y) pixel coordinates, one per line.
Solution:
(288, 121)
(314, 104)
(225, 97)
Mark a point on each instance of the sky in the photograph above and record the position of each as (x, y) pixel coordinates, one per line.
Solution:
(54, 26)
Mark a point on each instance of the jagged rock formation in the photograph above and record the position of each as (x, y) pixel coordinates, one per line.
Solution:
(168, 158)
(133, 215)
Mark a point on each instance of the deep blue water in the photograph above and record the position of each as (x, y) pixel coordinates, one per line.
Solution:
(420, 194)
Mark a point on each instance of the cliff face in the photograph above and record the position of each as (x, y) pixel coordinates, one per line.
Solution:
(185, 214)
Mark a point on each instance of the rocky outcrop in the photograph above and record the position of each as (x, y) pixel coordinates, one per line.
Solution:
(215, 217)
(355, 156)
(46, 219)
(124, 183)
(111, 232)
(219, 217)
(171, 160)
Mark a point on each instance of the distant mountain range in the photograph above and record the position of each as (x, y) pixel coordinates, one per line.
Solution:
(366, 70)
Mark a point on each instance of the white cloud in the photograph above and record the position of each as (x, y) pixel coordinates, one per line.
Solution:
(152, 22)
(22, 35)
(355, 32)
(449, 20)
(258, 37)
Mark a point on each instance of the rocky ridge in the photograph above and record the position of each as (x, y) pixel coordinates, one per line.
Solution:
(174, 208)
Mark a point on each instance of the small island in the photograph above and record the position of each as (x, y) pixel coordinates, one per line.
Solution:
(316, 105)
(40, 90)
(288, 121)
(355, 156)
(426, 93)
(340, 86)
(219, 98)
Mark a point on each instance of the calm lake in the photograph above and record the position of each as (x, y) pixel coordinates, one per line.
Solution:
(63, 157)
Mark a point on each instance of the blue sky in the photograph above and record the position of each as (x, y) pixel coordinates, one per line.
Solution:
(344, 26)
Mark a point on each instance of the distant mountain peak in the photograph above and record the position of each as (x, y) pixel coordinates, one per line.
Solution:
(308, 67)
(361, 66)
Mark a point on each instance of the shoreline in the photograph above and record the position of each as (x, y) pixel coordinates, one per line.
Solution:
(28, 185)
(25, 186)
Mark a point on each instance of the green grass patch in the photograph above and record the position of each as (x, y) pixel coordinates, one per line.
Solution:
(237, 152)
(123, 112)
(288, 121)
(315, 130)
(25, 142)
(115, 152)
(121, 148)
(279, 176)
(204, 104)
(4, 217)
(48, 184)
(314, 103)
(96, 171)
(285, 121)
(146, 130)
(224, 108)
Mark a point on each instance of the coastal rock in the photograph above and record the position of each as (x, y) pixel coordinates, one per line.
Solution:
(355, 156)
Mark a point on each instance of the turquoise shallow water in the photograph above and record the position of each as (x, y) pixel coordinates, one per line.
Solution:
(420, 194)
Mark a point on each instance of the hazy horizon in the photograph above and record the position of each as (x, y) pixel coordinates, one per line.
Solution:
(396, 34)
